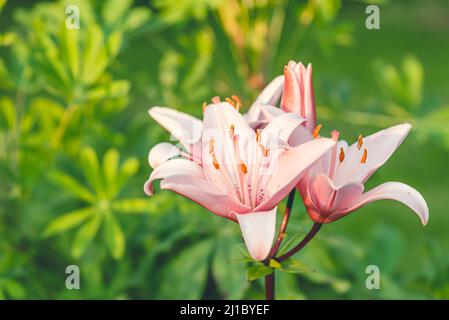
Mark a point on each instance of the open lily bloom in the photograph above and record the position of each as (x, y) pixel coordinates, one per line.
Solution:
(333, 187)
(187, 129)
(244, 173)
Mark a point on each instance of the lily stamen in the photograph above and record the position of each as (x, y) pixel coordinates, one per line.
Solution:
(359, 142)
(316, 131)
(365, 155)
(342, 155)
(238, 102)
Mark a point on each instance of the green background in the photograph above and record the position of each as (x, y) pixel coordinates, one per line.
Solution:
(75, 134)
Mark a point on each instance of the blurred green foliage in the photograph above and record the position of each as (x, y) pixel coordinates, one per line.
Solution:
(74, 136)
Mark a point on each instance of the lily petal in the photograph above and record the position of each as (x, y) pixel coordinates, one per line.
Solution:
(184, 127)
(396, 191)
(270, 95)
(290, 167)
(281, 127)
(291, 98)
(205, 194)
(379, 148)
(258, 230)
(171, 168)
(219, 165)
(325, 202)
(162, 152)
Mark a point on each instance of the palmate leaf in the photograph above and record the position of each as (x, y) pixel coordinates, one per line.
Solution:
(115, 239)
(68, 221)
(71, 185)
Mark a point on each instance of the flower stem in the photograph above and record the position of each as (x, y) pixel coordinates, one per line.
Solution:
(315, 228)
(283, 227)
(269, 286)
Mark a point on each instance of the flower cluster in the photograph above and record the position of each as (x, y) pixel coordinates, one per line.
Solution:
(241, 167)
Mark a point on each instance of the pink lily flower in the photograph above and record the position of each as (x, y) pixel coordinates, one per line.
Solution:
(334, 186)
(243, 173)
(298, 96)
(187, 129)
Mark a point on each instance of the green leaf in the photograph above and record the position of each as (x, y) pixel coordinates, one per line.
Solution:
(258, 271)
(185, 276)
(95, 56)
(136, 18)
(128, 169)
(294, 266)
(115, 238)
(70, 50)
(85, 235)
(7, 113)
(110, 170)
(274, 264)
(114, 11)
(136, 205)
(67, 221)
(91, 169)
(71, 185)
(14, 289)
(230, 277)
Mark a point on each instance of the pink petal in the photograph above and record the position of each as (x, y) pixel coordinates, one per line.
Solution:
(183, 127)
(205, 194)
(325, 202)
(171, 168)
(291, 98)
(162, 152)
(396, 191)
(258, 230)
(309, 99)
(291, 166)
(270, 112)
(218, 120)
(270, 95)
(380, 146)
(281, 127)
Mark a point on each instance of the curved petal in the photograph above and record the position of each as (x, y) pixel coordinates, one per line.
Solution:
(379, 148)
(270, 112)
(291, 166)
(270, 95)
(171, 168)
(328, 203)
(184, 127)
(281, 127)
(162, 152)
(258, 230)
(396, 191)
(205, 194)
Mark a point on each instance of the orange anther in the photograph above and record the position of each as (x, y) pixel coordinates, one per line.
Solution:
(365, 155)
(316, 131)
(359, 142)
(342, 155)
